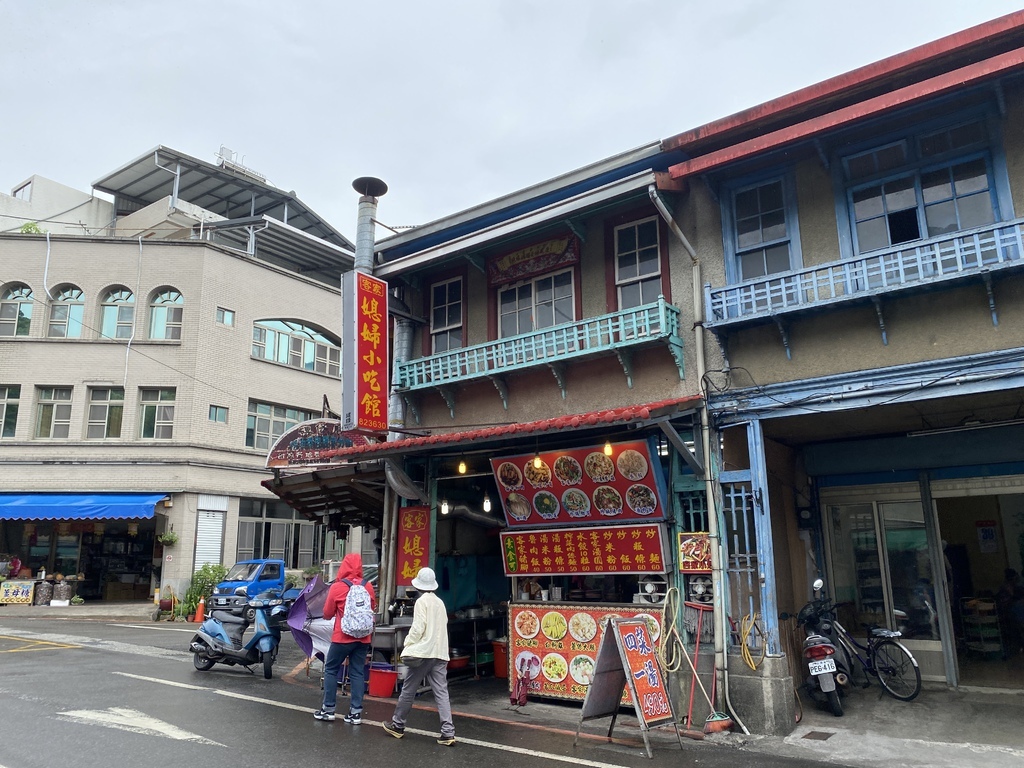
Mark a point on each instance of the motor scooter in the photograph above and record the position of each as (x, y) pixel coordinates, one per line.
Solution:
(220, 638)
(827, 672)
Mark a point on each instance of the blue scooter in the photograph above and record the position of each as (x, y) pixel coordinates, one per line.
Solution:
(220, 637)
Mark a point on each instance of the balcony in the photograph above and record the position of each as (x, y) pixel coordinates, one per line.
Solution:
(978, 253)
(618, 333)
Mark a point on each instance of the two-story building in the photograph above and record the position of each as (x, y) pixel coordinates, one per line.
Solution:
(155, 341)
(835, 275)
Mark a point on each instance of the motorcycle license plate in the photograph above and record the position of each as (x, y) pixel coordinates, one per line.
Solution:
(819, 667)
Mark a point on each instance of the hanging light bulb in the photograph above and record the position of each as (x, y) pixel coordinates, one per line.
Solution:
(607, 447)
(462, 466)
(537, 462)
(444, 506)
(133, 529)
(487, 503)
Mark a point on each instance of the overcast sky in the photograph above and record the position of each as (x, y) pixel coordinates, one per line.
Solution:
(451, 102)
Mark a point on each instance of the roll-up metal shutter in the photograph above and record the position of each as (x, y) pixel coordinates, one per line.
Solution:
(210, 530)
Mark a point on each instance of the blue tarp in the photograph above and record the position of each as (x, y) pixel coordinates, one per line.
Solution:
(77, 506)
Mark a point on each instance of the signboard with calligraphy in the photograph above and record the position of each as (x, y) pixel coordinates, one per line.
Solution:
(555, 645)
(305, 443)
(533, 260)
(17, 592)
(582, 486)
(585, 551)
(364, 353)
(627, 661)
(413, 550)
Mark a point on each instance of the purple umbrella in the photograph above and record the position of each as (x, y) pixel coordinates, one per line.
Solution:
(312, 632)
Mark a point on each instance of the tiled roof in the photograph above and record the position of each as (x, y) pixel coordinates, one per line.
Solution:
(613, 416)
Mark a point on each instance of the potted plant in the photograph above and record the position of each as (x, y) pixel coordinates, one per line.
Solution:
(168, 538)
(77, 600)
(310, 573)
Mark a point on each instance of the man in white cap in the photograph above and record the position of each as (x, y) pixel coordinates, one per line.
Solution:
(426, 654)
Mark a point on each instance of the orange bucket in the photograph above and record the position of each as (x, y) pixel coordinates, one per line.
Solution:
(500, 659)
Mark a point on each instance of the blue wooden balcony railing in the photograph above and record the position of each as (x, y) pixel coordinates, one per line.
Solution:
(617, 333)
(974, 252)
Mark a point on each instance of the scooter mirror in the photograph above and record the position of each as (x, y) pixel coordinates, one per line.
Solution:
(818, 584)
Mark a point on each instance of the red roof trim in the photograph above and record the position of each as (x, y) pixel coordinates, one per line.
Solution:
(857, 78)
(625, 414)
(870, 107)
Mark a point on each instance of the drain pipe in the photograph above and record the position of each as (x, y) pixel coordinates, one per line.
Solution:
(714, 529)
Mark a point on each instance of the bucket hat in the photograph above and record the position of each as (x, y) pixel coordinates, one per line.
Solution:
(425, 580)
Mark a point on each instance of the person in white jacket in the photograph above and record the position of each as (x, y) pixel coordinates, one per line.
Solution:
(426, 654)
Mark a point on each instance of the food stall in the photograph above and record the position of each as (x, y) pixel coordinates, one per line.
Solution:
(585, 527)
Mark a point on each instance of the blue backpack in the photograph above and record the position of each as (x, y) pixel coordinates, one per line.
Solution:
(358, 619)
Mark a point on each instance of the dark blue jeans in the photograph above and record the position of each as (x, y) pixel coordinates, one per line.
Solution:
(356, 655)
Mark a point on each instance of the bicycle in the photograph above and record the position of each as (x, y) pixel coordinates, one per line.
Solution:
(886, 658)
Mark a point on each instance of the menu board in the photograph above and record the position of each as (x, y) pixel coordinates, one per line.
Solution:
(581, 486)
(585, 551)
(555, 645)
(645, 674)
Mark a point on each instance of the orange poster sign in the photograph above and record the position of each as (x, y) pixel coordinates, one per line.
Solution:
(647, 680)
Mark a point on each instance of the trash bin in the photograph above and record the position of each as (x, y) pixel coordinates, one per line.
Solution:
(500, 658)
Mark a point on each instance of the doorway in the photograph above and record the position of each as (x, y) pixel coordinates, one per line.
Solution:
(983, 538)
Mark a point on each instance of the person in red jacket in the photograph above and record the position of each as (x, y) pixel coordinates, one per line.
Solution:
(344, 646)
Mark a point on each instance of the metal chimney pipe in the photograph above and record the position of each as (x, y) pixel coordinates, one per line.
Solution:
(370, 189)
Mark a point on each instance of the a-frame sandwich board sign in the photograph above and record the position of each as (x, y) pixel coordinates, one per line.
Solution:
(626, 657)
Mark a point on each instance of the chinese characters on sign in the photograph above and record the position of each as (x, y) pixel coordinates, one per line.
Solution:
(695, 552)
(583, 486)
(413, 543)
(17, 591)
(306, 443)
(533, 260)
(364, 353)
(644, 673)
(585, 551)
(555, 646)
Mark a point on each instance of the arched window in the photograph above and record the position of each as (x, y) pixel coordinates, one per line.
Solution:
(165, 315)
(16, 311)
(118, 314)
(66, 313)
(297, 345)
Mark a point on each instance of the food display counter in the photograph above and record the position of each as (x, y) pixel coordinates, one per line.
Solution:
(555, 644)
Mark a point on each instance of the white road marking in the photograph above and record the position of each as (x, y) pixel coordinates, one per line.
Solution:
(132, 720)
(417, 731)
(99, 644)
(158, 629)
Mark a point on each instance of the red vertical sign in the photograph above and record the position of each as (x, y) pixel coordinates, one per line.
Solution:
(364, 353)
(413, 543)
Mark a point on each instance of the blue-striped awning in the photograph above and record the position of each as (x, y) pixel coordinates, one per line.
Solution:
(77, 506)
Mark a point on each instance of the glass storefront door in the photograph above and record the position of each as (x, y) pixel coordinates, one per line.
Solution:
(880, 567)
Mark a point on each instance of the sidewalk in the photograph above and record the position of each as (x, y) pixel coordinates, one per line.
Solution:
(941, 728)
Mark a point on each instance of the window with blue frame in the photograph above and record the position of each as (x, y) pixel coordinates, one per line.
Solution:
(760, 229)
(298, 345)
(921, 186)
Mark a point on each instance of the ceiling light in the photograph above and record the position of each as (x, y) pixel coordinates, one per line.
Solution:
(462, 467)
(537, 462)
(487, 503)
(607, 448)
(444, 507)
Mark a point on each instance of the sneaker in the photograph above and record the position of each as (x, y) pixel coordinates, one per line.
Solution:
(353, 718)
(321, 715)
(446, 741)
(394, 730)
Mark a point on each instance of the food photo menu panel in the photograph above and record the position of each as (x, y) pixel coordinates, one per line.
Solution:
(555, 646)
(581, 486)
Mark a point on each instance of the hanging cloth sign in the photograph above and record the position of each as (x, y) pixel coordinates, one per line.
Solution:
(533, 260)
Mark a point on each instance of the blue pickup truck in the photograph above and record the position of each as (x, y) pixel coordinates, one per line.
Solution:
(255, 577)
